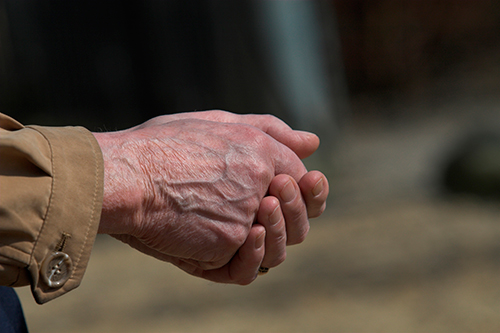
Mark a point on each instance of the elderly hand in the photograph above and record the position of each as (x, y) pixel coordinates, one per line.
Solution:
(187, 189)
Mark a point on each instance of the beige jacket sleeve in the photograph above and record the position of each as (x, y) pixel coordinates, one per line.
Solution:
(51, 183)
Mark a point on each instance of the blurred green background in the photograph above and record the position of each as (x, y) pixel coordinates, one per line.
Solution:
(405, 96)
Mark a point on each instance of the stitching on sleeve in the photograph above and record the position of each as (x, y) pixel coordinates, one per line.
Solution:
(50, 198)
(96, 186)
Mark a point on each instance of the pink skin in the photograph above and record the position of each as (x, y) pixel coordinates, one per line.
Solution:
(215, 193)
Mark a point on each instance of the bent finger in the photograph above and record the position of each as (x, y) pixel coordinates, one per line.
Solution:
(271, 218)
(244, 266)
(314, 187)
(293, 207)
(302, 143)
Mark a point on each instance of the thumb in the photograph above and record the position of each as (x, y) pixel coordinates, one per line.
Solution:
(302, 143)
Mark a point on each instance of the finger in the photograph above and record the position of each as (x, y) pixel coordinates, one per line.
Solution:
(244, 266)
(302, 143)
(271, 217)
(293, 207)
(314, 187)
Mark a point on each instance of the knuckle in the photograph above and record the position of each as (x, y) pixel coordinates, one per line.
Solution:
(261, 171)
(220, 114)
(269, 118)
(222, 247)
(230, 245)
(299, 237)
(256, 137)
(280, 238)
(277, 260)
(231, 241)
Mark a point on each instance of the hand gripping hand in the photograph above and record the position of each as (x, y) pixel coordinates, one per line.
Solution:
(188, 189)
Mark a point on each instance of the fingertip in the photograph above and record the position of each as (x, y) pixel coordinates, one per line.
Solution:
(309, 143)
(315, 182)
(284, 188)
(309, 136)
(318, 187)
(245, 268)
(315, 189)
(268, 206)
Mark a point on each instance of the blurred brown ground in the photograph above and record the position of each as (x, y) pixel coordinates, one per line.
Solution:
(391, 253)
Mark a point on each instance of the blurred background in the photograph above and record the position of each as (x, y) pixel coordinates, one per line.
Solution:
(405, 96)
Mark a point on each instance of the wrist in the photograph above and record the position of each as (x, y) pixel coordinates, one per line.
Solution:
(120, 198)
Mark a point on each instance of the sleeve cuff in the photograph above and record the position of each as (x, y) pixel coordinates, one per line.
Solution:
(62, 249)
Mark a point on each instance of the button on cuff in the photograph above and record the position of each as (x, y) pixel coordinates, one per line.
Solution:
(56, 269)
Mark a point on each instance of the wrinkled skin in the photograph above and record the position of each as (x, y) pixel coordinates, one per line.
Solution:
(206, 191)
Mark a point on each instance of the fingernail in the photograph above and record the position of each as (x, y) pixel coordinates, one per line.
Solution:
(288, 192)
(259, 242)
(305, 133)
(318, 188)
(275, 216)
